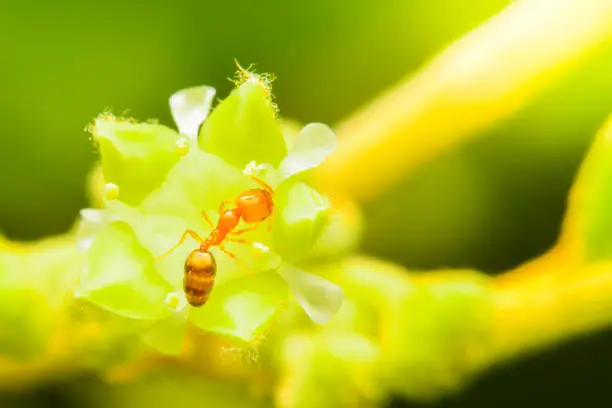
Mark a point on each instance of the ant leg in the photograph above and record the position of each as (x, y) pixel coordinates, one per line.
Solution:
(207, 219)
(256, 245)
(187, 233)
(242, 231)
(270, 221)
(279, 303)
(262, 183)
(224, 203)
(240, 241)
(221, 211)
(235, 258)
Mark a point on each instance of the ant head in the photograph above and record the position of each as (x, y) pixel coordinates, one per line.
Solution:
(255, 205)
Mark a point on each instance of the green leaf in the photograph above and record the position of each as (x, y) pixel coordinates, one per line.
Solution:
(135, 157)
(300, 217)
(119, 276)
(311, 146)
(241, 307)
(243, 128)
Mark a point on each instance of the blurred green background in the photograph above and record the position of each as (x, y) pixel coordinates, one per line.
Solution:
(491, 203)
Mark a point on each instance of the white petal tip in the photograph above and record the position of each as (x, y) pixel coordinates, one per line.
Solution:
(190, 107)
(319, 298)
(328, 308)
(92, 215)
(310, 148)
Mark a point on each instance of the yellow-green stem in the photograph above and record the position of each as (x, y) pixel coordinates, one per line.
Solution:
(483, 77)
(550, 300)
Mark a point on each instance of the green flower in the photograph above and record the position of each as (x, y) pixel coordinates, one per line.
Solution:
(163, 180)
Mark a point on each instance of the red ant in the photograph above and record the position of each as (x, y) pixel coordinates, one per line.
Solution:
(252, 207)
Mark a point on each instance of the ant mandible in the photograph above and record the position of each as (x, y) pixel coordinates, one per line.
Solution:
(252, 206)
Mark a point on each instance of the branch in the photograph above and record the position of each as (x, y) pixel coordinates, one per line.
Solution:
(480, 79)
(568, 291)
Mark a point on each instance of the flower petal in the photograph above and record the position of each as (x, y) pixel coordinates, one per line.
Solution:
(190, 107)
(264, 172)
(241, 307)
(158, 233)
(92, 220)
(311, 146)
(341, 235)
(319, 298)
(200, 181)
(167, 335)
(300, 217)
(244, 128)
(135, 156)
(119, 276)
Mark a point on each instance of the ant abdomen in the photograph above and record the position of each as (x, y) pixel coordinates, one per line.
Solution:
(200, 272)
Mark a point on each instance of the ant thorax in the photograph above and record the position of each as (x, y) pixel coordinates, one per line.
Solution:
(229, 220)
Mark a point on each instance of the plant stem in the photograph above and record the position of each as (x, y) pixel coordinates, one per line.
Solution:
(485, 76)
(550, 300)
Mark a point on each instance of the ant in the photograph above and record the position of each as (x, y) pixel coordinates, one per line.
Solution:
(252, 206)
